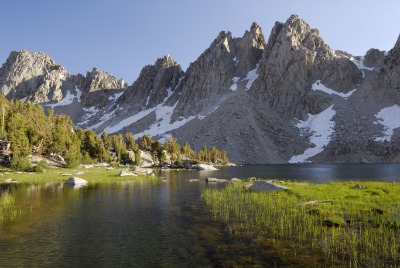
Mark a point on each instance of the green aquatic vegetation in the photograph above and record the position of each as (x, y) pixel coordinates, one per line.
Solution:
(8, 211)
(357, 227)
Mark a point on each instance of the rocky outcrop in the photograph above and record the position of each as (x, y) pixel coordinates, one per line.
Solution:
(264, 186)
(98, 87)
(155, 83)
(294, 58)
(374, 58)
(99, 80)
(387, 82)
(32, 75)
(204, 167)
(248, 50)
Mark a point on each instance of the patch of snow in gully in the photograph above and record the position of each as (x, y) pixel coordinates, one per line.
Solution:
(234, 83)
(67, 100)
(360, 64)
(251, 77)
(321, 87)
(389, 117)
(321, 127)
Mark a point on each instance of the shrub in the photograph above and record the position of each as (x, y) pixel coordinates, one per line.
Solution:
(20, 164)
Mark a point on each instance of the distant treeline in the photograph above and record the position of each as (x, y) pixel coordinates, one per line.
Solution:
(30, 130)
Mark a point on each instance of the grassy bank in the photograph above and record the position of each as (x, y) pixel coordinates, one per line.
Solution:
(92, 175)
(349, 226)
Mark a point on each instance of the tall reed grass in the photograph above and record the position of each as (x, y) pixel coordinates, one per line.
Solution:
(353, 227)
(8, 210)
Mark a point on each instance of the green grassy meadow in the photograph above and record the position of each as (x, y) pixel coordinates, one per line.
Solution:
(345, 225)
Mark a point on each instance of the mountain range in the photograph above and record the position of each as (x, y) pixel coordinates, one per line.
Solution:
(291, 98)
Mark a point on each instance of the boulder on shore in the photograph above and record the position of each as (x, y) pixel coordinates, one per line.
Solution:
(204, 167)
(125, 172)
(264, 186)
(76, 182)
(142, 171)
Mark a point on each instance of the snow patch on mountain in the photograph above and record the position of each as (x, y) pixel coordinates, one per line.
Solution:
(251, 77)
(360, 64)
(89, 112)
(389, 117)
(67, 100)
(320, 126)
(128, 121)
(321, 87)
(115, 96)
(163, 123)
(234, 83)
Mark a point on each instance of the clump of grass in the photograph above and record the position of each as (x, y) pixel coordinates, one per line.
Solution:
(8, 211)
(358, 227)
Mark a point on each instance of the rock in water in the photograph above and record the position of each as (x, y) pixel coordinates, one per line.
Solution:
(204, 167)
(264, 186)
(76, 182)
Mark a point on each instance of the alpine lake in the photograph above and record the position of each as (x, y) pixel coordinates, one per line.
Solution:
(158, 223)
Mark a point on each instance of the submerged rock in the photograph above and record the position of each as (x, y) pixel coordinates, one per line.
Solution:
(264, 186)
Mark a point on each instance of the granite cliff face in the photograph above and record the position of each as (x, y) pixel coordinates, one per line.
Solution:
(32, 75)
(295, 57)
(155, 83)
(215, 74)
(291, 99)
(387, 82)
(35, 77)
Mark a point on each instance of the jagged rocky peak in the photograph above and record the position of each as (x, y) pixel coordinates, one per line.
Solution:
(298, 53)
(301, 34)
(154, 84)
(255, 36)
(207, 79)
(98, 80)
(32, 75)
(248, 50)
(374, 58)
(166, 62)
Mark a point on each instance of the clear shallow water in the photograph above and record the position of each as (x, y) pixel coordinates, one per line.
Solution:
(146, 225)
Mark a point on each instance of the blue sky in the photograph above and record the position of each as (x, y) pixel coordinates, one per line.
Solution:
(122, 36)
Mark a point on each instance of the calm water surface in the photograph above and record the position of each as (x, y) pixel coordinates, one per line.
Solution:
(162, 224)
